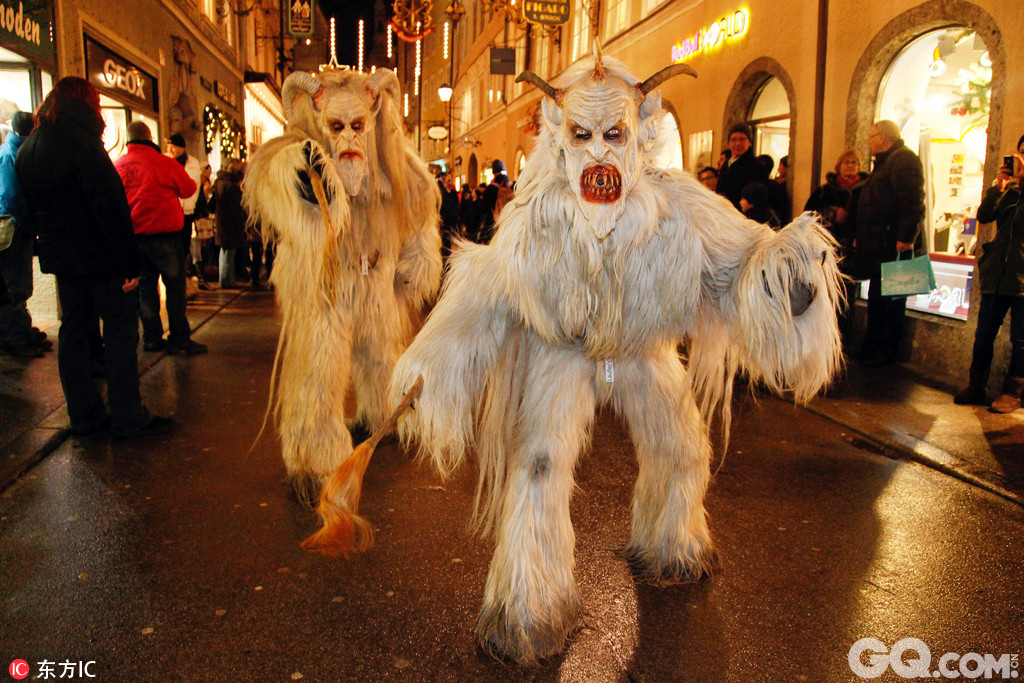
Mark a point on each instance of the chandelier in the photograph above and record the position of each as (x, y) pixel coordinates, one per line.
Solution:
(412, 20)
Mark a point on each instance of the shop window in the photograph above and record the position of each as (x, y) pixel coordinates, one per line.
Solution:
(539, 64)
(937, 92)
(668, 152)
(651, 5)
(702, 152)
(580, 29)
(769, 118)
(116, 117)
(23, 84)
(16, 89)
(616, 16)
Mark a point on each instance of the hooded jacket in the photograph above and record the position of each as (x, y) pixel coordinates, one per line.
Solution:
(74, 198)
(155, 185)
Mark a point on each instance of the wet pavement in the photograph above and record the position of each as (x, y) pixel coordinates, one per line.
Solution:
(881, 510)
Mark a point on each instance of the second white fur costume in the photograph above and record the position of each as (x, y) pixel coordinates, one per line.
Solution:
(600, 265)
(351, 281)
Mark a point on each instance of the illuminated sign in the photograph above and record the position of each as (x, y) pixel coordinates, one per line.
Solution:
(548, 12)
(731, 27)
(27, 27)
(114, 75)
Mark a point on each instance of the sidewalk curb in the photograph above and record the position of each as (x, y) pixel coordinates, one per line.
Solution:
(906, 447)
(53, 438)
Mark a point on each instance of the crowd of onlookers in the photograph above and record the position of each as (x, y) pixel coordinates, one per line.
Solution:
(470, 213)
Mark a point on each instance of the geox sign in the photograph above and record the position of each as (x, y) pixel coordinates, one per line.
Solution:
(550, 12)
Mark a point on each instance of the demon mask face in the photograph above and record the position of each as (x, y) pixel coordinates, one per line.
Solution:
(339, 110)
(602, 123)
(348, 123)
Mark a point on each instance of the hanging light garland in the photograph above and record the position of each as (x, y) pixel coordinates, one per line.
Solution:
(232, 136)
(412, 19)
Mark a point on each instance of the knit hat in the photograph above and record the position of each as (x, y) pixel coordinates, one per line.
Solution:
(756, 194)
(178, 140)
(498, 166)
(22, 123)
(740, 128)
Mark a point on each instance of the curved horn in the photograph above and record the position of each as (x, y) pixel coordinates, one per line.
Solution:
(547, 88)
(663, 75)
(599, 71)
(384, 79)
(299, 82)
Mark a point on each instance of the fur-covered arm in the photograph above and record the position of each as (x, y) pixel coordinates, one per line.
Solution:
(458, 344)
(418, 273)
(274, 192)
(753, 310)
(769, 306)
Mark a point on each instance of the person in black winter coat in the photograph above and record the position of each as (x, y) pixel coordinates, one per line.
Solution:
(836, 198)
(754, 202)
(742, 168)
(836, 202)
(79, 213)
(890, 211)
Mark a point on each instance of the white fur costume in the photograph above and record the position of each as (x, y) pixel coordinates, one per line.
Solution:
(351, 288)
(599, 267)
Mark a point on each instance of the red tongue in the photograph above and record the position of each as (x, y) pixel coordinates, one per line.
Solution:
(601, 184)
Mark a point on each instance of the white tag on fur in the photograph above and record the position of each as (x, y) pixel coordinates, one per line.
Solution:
(609, 370)
(365, 264)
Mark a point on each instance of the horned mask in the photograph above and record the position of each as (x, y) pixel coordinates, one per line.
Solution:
(339, 110)
(603, 121)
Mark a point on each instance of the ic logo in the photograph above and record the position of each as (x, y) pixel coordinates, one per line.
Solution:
(18, 669)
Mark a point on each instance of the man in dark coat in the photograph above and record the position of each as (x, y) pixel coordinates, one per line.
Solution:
(79, 212)
(742, 168)
(890, 210)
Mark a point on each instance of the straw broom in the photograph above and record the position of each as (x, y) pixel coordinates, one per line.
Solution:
(344, 532)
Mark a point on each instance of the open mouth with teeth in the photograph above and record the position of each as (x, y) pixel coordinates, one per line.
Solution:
(601, 184)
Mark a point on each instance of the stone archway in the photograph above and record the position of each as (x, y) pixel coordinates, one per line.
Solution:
(747, 85)
(886, 45)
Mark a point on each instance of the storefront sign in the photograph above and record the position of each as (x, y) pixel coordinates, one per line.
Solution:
(300, 18)
(548, 12)
(225, 93)
(119, 78)
(25, 26)
(729, 28)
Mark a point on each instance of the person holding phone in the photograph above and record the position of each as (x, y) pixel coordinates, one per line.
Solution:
(1001, 269)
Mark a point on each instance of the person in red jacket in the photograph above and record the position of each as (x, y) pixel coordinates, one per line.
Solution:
(154, 184)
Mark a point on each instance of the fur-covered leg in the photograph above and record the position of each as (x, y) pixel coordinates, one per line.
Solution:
(310, 405)
(669, 541)
(531, 603)
(374, 355)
